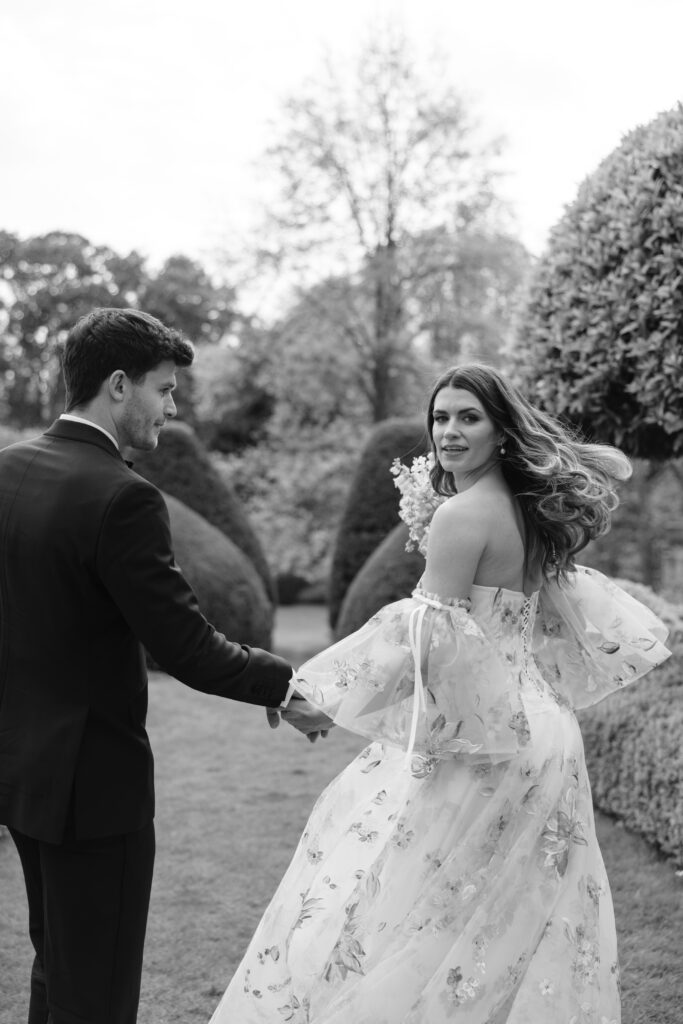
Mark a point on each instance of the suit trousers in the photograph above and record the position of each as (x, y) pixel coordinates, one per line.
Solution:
(88, 903)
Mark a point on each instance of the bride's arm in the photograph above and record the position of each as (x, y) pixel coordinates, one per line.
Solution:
(456, 543)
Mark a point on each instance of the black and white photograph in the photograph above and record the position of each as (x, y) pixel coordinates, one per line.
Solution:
(341, 512)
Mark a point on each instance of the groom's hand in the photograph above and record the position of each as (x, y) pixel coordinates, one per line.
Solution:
(305, 717)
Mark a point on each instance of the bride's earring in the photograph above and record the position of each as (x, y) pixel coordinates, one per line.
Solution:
(502, 447)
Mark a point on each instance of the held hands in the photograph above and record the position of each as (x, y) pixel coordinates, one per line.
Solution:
(303, 716)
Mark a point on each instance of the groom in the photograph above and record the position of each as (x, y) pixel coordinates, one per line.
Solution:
(87, 577)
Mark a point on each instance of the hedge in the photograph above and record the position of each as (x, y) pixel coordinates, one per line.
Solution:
(634, 743)
(389, 574)
(371, 509)
(230, 594)
(599, 342)
(181, 466)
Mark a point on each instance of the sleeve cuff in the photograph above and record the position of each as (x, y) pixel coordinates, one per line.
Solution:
(288, 696)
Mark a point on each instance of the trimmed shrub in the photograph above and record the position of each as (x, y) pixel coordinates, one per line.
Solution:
(289, 586)
(181, 466)
(599, 343)
(371, 509)
(230, 594)
(633, 743)
(313, 593)
(389, 574)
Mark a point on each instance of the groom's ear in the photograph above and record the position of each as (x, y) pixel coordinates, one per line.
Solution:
(117, 385)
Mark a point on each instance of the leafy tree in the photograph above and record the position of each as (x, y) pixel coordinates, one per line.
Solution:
(601, 339)
(235, 383)
(366, 164)
(48, 282)
(467, 290)
(184, 296)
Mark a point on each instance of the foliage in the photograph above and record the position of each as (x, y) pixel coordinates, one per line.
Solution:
(293, 487)
(289, 587)
(467, 289)
(389, 574)
(181, 466)
(49, 281)
(633, 744)
(234, 389)
(230, 594)
(324, 366)
(600, 341)
(183, 295)
(645, 542)
(260, 384)
(369, 160)
(372, 501)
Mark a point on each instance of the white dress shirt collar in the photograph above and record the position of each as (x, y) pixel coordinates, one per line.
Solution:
(80, 419)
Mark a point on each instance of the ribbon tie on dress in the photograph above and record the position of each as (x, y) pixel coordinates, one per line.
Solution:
(415, 623)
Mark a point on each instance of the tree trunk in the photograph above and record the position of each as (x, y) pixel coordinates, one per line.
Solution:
(388, 317)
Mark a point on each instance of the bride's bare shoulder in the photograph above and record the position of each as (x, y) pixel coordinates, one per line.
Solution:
(460, 518)
(481, 505)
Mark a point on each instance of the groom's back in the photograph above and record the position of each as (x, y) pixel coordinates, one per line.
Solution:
(72, 680)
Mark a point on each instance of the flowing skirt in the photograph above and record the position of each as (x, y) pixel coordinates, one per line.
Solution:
(471, 894)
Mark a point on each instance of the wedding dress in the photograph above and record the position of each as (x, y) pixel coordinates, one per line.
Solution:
(451, 872)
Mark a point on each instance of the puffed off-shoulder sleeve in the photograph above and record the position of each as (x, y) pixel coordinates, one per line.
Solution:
(420, 675)
(592, 638)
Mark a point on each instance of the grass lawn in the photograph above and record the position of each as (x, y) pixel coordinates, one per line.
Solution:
(232, 799)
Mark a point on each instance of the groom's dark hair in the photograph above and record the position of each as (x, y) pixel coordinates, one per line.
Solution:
(110, 339)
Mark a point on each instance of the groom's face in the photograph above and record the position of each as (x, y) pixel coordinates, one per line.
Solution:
(148, 404)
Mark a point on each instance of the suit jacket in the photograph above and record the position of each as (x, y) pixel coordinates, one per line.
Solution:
(87, 577)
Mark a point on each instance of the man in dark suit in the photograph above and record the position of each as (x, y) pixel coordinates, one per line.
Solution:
(87, 578)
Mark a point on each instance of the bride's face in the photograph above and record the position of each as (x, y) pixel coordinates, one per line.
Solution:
(465, 437)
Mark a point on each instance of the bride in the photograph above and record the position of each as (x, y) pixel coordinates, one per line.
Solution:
(451, 872)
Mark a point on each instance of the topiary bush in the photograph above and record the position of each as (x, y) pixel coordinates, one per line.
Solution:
(633, 743)
(389, 574)
(181, 466)
(230, 594)
(371, 509)
(600, 340)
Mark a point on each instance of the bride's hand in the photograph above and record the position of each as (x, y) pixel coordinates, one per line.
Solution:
(307, 718)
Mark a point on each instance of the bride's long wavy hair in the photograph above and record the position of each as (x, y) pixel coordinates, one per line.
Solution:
(566, 487)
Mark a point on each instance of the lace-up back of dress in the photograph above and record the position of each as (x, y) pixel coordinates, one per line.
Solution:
(507, 616)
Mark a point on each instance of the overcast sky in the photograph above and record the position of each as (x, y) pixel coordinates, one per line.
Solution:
(135, 123)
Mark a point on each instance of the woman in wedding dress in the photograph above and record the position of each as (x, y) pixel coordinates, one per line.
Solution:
(451, 872)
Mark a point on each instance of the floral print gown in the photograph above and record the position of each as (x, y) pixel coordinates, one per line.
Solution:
(451, 872)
